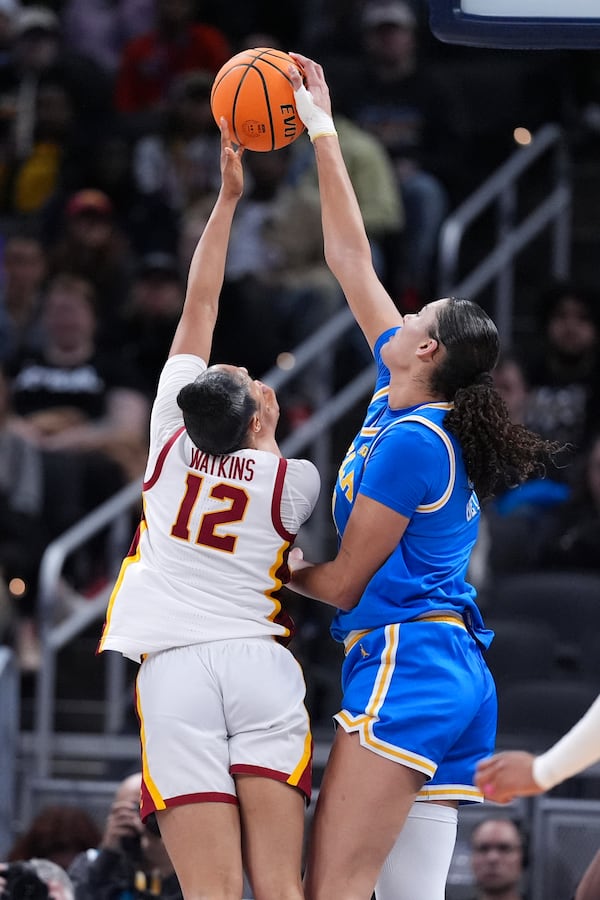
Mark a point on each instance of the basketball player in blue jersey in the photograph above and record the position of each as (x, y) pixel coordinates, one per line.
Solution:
(419, 703)
(225, 734)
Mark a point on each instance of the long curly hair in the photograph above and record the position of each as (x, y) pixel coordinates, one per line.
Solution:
(495, 450)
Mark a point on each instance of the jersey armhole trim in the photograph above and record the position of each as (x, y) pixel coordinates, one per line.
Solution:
(161, 460)
(276, 501)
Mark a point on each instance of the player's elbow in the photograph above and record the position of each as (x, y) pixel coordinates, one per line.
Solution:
(346, 594)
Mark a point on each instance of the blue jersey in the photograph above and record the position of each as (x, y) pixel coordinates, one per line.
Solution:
(406, 460)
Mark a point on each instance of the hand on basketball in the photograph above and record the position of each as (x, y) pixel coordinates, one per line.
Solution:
(507, 775)
(314, 81)
(232, 172)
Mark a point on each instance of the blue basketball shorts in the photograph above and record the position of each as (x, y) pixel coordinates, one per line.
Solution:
(421, 694)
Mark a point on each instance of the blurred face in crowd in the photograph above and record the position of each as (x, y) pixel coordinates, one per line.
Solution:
(69, 316)
(571, 329)
(497, 855)
(91, 228)
(38, 48)
(391, 43)
(24, 265)
(510, 383)
(54, 112)
(158, 294)
(173, 13)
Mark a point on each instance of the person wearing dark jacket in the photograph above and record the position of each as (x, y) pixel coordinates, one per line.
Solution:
(131, 861)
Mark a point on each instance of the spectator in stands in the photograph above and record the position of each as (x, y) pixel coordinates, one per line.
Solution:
(572, 534)
(149, 320)
(8, 13)
(498, 860)
(23, 267)
(180, 162)
(93, 246)
(100, 30)
(565, 375)
(33, 875)
(518, 773)
(333, 34)
(515, 519)
(71, 395)
(81, 405)
(38, 57)
(144, 219)
(58, 833)
(130, 861)
(392, 95)
(32, 174)
(22, 534)
(151, 62)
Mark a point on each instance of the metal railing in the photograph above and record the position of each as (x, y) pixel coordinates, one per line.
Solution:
(9, 733)
(512, 236)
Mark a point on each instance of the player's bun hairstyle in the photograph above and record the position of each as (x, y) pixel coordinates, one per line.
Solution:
(496, 451)
(217, 409)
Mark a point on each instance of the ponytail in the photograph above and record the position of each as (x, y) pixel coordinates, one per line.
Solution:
(495, 450)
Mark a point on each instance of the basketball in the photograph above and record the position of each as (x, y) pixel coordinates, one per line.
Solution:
(253, 92)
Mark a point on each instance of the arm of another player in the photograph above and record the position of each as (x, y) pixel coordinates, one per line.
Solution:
(347, 248)
(514, 773)
(372, 534)
(589, 886)
(205, 279)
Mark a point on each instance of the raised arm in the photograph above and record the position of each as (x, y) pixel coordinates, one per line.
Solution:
(347, 248)
(207, 269)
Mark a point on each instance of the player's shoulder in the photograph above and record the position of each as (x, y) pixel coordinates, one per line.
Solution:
(303, 474)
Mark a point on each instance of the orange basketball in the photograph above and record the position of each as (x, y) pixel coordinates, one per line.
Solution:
(254, 93)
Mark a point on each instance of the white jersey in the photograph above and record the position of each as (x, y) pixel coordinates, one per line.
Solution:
(210, 553)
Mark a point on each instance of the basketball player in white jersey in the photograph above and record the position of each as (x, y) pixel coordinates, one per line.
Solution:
(226, 742)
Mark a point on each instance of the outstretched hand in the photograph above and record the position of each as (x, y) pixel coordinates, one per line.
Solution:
(311, 95)
(314, 81)
(507, 775)
(232, 172)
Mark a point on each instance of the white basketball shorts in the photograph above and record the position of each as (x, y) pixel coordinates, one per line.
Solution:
(211, 711)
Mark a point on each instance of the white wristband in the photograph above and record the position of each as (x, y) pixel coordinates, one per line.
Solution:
(318, 123)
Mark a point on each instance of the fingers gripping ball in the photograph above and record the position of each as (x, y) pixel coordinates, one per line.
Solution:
(254, 93)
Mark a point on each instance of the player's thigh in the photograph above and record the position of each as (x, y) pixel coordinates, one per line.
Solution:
(272, 815)
(361, 808)
(203, 841)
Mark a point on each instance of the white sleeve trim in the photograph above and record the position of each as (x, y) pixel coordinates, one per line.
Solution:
(574, 752)
(300, 493)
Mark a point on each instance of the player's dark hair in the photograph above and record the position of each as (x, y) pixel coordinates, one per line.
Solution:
(217, 408)
(496, 451)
